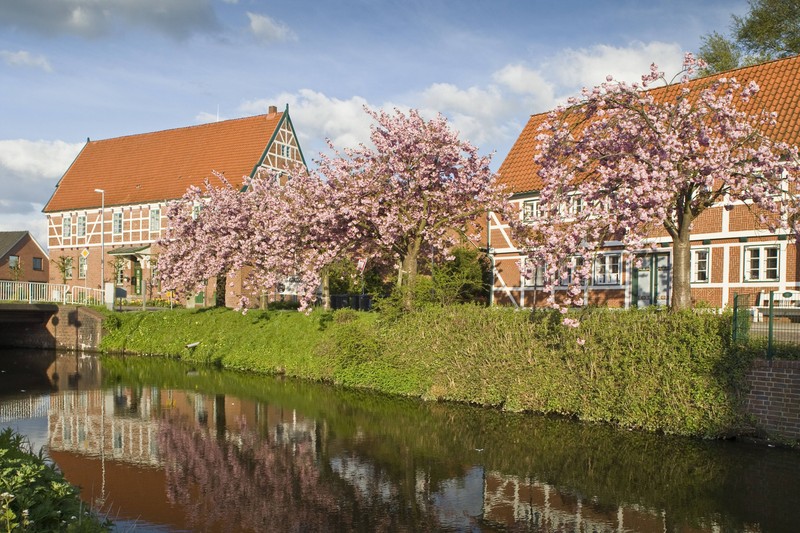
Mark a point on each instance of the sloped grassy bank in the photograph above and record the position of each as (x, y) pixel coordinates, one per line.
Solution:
(659, 371)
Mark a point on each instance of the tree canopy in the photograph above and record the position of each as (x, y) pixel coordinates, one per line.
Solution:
(410, 197)
(770, 30)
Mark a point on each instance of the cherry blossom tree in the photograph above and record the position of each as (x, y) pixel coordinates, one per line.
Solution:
(203, 239)
(621, 163)
(412, 195)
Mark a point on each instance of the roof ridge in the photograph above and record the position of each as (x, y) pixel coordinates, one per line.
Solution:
(181, 128)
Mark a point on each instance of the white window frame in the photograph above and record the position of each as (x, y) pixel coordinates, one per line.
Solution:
(68, 268)
(117, 222)
(155, 220)
(701, 265)
(66, 227)
(756, 259)
(80, 226)
(607, 269)
(82, 267)
(13, 261)
(572, 264)
(538, 275)
(530, 209)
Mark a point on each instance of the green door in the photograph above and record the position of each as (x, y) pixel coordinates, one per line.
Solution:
(137, 279)
(651, 280)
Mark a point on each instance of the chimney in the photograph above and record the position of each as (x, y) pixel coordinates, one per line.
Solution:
(273, 109)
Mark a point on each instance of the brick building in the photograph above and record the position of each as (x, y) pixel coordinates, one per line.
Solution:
(22, 258)
(731, 253)
(109, 208)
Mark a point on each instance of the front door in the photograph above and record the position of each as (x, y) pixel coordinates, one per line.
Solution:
(137, 279)
(651, 280)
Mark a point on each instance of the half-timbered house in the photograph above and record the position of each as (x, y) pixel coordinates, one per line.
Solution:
(731, 252)
(109, 208)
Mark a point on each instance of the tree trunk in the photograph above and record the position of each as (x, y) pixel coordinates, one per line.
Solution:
(681, 271)
(222, 283)
(410, 271)
(326, 290)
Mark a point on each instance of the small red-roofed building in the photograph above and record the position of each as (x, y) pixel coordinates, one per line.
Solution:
(109, 208)
(731, 253)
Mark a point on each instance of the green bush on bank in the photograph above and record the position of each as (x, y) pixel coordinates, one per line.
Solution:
(648, 369)
(35, 496)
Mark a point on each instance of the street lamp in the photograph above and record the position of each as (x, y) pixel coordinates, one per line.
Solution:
(102, 237)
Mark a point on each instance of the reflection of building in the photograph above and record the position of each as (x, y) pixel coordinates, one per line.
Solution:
(510, 501)
(27, 407)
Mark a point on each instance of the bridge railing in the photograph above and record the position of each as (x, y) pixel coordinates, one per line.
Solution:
(35, 292)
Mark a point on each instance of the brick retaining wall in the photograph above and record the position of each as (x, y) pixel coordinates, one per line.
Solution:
(53, 327)
(774, 397)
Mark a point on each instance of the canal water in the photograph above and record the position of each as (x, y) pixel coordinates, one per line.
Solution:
(160, 446)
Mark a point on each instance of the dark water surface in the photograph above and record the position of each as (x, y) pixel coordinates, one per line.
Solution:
(160, 446)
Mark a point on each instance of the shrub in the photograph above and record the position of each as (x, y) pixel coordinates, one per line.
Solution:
(35, 496)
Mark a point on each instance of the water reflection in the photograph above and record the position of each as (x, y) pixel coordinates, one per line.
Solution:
(198, 450)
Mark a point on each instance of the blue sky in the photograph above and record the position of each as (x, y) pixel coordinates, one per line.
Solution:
(72, 69)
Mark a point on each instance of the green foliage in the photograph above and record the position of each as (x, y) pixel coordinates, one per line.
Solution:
(771, 29)
(35, 496)
(461, 279)
(674, 372)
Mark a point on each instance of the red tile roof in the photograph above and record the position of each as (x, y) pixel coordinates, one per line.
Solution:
(158, 166)
(779, 81)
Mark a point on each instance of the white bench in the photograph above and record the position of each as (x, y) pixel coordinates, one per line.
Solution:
(784, 304)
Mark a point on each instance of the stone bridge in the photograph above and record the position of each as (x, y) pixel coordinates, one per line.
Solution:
(50, 326)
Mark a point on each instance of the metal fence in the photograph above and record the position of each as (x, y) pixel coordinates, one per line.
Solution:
(359, 302)
(34, 292)
(771, 319)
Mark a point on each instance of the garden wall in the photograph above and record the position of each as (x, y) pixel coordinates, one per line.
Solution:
(774, 397)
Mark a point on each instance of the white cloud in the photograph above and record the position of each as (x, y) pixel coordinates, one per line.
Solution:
(490, 116)
(269, 30)
(587, 67)
(29, 171)
(317, 117)
(23, 58)
(34, 161)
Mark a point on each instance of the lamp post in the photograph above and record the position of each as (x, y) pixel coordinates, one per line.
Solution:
(102, 237)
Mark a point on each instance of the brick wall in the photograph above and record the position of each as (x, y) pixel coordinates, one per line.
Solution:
(774, 397)
(51, 327)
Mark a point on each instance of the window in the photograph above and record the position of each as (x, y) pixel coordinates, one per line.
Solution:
(700, 266)
(607, 269)
(535, 276)
(37, 264)
(761, 263)
(81, 229)
(530, 210)
(575, 204)
(81, 267)
(286, 151)
(13, 261)
(120, 275)
(66, 227)
(195, 212)
(116, 226)
(568, 271)
(68, 267)
(155, 220)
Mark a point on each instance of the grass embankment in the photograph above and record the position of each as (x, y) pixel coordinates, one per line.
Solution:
(35, 496)
(659, 371)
